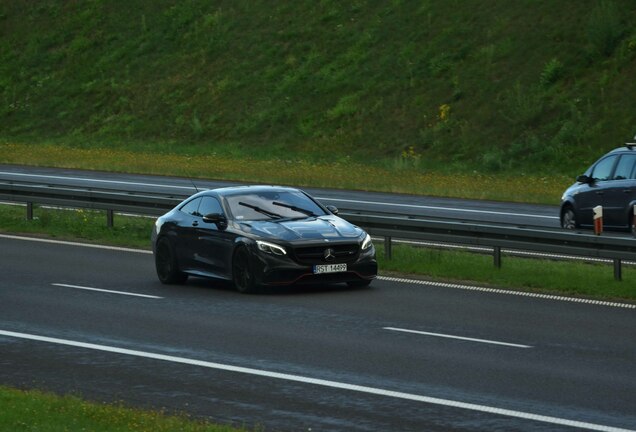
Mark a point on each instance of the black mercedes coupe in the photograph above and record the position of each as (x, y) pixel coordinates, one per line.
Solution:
(257, 236)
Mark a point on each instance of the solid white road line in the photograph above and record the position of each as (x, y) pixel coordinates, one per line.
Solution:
(492, 212)
(68, 243)
(105, 291)
(507, 292)
(486, 341)
(321, 382)
(97, 180)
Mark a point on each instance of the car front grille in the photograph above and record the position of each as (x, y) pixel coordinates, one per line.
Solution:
(341, 253)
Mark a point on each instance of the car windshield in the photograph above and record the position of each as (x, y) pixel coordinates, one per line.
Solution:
(272, 205)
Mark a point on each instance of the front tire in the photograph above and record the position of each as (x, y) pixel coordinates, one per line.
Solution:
(568, 219)
(166, 264)
(242, 274)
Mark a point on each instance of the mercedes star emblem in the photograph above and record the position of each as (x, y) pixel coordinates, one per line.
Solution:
(329, 254)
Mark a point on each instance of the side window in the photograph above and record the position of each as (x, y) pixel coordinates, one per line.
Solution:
(625, 167)
(210, 205)
(192, 207)
(603, 169)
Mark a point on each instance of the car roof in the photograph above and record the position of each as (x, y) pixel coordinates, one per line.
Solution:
(235, 190)
(624, 149)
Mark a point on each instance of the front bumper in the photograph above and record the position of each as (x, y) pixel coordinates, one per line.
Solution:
(272, 270)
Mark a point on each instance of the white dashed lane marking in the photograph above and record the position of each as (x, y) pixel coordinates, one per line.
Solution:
(447, 336)
(105, 291)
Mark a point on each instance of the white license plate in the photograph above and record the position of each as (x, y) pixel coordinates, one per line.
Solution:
(329, 268)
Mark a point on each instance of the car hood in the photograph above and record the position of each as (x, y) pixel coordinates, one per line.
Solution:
(574, 189)
(331, 228)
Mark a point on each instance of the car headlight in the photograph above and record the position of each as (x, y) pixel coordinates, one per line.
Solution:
(367, 243)
(270, 248)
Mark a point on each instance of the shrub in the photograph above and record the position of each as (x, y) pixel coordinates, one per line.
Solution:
(522, 105)
(552, 71)
(605, 28)
(493, 160)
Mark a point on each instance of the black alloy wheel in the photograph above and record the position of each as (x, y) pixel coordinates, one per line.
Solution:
(242, 272)
(166, 264)
(568, 220)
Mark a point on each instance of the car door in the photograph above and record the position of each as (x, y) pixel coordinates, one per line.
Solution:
(186, 232)
(620, 192)
(592, 194)
(212, 243)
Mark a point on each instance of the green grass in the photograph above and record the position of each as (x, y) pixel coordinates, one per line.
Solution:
(81, 225)
(45, 412)
(556, 277)
(529, 86)
(591, 280)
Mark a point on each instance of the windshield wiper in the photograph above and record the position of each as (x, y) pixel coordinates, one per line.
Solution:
(261, 210)
(294, 208)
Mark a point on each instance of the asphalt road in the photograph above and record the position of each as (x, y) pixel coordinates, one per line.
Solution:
(398, 356)
(366, 202)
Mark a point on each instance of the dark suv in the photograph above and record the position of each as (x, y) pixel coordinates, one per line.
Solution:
(610, 182)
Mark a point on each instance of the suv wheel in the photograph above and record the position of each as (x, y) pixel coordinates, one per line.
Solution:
(568, 219)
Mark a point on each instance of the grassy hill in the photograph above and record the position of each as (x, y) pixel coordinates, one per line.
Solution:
(490, 85)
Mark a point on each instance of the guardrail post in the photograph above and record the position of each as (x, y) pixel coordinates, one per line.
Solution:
(110, 218)
(618, 269)
(29, 210)
(388, 253)
(497, 256)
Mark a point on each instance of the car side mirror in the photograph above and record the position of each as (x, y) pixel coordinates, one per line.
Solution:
(584, 179)
(333, 209)
(216, 218)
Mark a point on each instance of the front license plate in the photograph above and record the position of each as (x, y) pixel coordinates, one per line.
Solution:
(329, 268)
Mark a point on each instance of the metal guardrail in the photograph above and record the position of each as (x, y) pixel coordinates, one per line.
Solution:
(555, 241)
(552, 241)
(101, 199)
